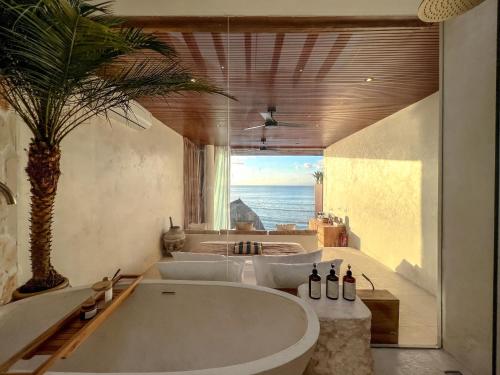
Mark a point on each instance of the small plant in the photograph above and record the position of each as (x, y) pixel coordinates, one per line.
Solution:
(318, 176)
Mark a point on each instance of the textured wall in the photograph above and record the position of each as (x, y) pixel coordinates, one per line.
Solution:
(469, 64)
(384, 179)
(118, 187)
(280, 8)
(8, 175)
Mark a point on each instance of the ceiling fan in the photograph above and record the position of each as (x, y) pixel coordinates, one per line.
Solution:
(271, 122)
(262, 147)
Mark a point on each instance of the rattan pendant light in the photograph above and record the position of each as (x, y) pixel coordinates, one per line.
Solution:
(441, 10)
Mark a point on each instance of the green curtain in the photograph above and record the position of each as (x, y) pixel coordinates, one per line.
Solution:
(221, 188)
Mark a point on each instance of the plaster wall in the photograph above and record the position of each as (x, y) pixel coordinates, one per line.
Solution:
(118, 187)
(281, 8)
(468, 87)
(383, 180)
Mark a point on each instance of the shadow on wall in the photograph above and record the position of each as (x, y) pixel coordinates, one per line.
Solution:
(354, 240)
(414, 273)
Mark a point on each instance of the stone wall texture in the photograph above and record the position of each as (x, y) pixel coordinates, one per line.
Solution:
(8, 214)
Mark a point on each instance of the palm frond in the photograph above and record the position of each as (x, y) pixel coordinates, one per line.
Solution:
(62, 61)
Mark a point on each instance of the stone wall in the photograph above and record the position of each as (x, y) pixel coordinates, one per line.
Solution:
(8, 214)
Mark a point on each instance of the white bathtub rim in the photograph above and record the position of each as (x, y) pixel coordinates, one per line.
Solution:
(272, 361)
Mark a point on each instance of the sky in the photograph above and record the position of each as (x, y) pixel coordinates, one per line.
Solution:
(274, 170)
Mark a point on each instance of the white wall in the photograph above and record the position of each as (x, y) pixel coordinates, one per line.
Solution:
(469, 64)
(384, 178)
(118, 187)
(282, 8)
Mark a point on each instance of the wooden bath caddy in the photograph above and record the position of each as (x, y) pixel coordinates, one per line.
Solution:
(61, 339)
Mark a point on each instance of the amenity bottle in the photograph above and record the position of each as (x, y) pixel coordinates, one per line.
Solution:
(314, 284)
(332, 284)
(349, 285)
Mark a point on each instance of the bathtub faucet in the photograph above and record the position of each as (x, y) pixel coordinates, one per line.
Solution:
(7, 193)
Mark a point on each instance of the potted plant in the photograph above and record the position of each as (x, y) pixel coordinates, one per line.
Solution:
(61, 63)
(318, 191)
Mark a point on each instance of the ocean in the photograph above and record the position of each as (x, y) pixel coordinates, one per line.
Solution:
(278, 204)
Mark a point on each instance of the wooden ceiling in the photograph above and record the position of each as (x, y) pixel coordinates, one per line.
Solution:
(313, 70)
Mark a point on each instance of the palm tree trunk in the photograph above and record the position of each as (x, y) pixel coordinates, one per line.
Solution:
(43, 173)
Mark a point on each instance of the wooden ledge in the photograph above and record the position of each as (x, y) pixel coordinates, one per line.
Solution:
(251, 232)
(201, 231)
(296, 232)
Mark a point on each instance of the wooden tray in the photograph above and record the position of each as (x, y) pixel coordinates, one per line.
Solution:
(64, 337)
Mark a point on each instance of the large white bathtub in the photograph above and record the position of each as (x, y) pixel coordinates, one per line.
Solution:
(205, 328)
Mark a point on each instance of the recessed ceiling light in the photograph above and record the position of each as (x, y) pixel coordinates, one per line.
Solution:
(368, 79)
(301, 70)
(193, 80)
(222, 67)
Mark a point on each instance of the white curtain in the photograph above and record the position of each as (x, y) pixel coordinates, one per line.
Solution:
(221, 188)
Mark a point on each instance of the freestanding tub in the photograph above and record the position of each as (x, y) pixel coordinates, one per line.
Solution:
(205, 328)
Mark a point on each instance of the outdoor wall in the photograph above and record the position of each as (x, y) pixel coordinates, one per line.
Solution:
(469, 74)
(118, 187)
(384, 181)
(8, 214)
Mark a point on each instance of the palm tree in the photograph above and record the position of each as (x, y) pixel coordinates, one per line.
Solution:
(318, 176)
(61, 63)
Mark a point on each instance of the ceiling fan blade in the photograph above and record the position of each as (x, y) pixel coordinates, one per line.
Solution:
(255, 127)
(266, 115)
(290, 125)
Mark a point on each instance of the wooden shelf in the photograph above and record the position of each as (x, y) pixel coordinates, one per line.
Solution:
(65, 336)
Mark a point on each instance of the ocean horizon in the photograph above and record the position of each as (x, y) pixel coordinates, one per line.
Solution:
(278, 204)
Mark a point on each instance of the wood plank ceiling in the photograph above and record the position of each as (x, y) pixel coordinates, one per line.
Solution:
(314, 74)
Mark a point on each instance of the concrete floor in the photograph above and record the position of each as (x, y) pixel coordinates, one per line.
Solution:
(418, 310)
(415, 362)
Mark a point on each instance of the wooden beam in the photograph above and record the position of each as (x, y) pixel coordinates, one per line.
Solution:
(163, 24)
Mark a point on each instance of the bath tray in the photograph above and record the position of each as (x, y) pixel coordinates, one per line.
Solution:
(60, 340)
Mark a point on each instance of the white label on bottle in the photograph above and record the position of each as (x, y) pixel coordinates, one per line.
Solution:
(108, 295)
(315, 289)
(90, 314)
(350, 291)
(332, 290)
